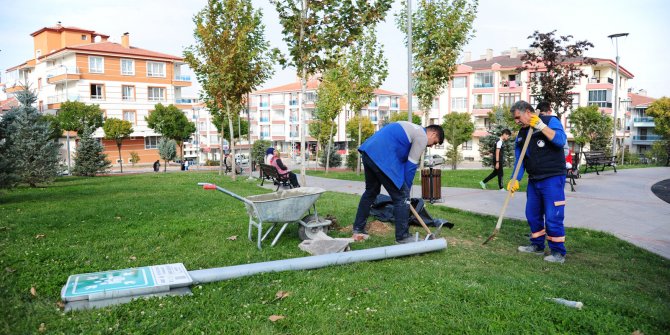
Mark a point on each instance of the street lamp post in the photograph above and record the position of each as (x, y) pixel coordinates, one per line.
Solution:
(615, 37)
(67, 134)
(409, 60)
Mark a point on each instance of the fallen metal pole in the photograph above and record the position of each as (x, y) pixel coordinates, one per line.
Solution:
(315, 262)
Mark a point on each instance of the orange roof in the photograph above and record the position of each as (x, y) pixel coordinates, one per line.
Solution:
(115, 48)
(638, 100)
(311, 86)
(6, 105)
(59, 28)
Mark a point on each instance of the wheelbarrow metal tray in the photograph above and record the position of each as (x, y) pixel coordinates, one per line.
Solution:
(284, 206)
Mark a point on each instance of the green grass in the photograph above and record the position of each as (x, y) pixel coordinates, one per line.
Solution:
(468, 178)
(119, 222)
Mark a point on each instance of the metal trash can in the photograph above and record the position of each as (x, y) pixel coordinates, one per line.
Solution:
(431, 184)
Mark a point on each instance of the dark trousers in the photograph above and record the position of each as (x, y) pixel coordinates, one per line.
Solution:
(374, 179)
(496, 172)
(293, 179)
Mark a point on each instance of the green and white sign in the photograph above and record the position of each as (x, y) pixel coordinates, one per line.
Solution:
(127, 282)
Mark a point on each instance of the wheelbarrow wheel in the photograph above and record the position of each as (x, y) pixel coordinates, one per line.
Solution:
(307, 233)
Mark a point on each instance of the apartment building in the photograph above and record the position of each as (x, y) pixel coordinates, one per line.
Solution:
(477, 86)
(641, 125)
(275, 115)
(76, 64)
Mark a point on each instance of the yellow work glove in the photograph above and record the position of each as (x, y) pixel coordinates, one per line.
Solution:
(513, 185)
(537, 123)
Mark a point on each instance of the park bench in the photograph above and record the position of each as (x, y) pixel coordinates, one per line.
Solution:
(271, 173)
(598, 160)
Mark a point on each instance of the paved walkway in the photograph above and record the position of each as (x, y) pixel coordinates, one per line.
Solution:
(619, 203)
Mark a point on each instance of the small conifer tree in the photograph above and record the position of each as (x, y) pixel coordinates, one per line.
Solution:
(167, 149)
(89, 159)
(487, 143)
(335, 159)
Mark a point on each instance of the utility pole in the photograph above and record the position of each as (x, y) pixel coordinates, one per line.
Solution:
(409, 60)
(67, 134)
(615, 37)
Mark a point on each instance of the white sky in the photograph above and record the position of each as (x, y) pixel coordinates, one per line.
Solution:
(167, 26)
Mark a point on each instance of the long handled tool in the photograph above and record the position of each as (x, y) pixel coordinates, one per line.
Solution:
(509, 192)
(430, 235)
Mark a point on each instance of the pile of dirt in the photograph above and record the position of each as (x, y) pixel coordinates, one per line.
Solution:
(375, 227)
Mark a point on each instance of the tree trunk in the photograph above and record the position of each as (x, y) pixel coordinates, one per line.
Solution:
(118, 146)
(358, 154)
(231, 144)
(330, 141)
(221, 163)
(303, 92)
(165, 165)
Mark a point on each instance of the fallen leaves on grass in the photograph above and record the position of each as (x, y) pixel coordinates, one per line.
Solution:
(132, 258)
(42, 328)
(275, 318)
(60, 304)
(282, 294)
(33, 291)
(232, 238)
(38, 236)
(637, 332)
(10, 270)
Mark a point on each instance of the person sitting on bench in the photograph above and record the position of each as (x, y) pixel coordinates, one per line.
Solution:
(282, 169)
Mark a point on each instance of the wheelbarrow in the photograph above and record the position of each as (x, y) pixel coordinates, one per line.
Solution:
(283, 207)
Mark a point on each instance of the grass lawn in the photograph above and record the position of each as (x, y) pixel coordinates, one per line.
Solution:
(80, 225)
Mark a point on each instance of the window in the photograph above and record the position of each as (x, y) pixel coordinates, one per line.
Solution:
(436, 104)
(483, 101)
(483, 79)
(127, 67)
(84, 37)
(601, 98)
(458, 82)
(467, 145)
(576, 77)
(459, 104)
(156, 93)
(128, 93)
(487, 123)
(97, 92)
(129, 116)
(575, 101)
(535, 99)
(39, 83)
(151, 142)
(508, 99)
(311, 96)
(38, 53)
(96, 64)
(535, 77)
(155, 69)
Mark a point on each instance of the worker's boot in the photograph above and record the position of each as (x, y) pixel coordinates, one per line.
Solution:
(531, 249)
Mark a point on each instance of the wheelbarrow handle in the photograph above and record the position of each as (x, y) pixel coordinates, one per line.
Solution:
(240, 198)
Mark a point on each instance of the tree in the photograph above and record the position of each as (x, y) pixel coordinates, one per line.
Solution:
(333, 158)
(501, 119)
(660, 110)
(400, 116)
(458, 129)
(590, 126)
(8, 175)
(230, 58)
(117, 130)
(258, 151)
(440, 30)
(315, 31)
(134, 158)
(34, 152)
(352, 126)
(366, 70)
(171, 122)
(76, 116)
(167, 149)
(89, 159)
(329, 103)
(557, 65)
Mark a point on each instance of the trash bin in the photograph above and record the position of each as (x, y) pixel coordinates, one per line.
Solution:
(431, 184)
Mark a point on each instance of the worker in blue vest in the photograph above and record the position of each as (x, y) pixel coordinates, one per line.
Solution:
(545, 163)
(390, 158)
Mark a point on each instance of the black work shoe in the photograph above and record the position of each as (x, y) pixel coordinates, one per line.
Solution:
(408, 239)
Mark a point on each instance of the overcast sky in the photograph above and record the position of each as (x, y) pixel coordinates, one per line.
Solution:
(167, 26)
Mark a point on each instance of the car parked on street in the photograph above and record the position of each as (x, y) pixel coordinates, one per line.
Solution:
(433, 160)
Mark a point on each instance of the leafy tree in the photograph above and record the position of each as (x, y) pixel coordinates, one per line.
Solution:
(171, 122)
(315, 31)
(395, 117)
(328, 106)
(558, 66)
(333, 159)
(89, 159)
(500, 121)
(367, 130)
(458, 129)
(440, 30)
(134, 158)
(590, 126)
(76, 116)
(167, 150)
(34, 152)
(366, 70)
(258, 150)
(230, 59)
(659, 153)
(118, 130)
(660, 110)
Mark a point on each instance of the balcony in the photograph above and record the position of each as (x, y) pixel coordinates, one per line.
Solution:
(264, 119)
(264, 104)
(645, 139)
(186, 101)
(373, 118)
(483, 85)
(643, 122)
(293, 119)
(265, 134)
(293, 102)
(98, 97)
(482, 106)
(510, 83)
(602, 104)
(394, 105)
(598, 80)
(181, 80)
(63, 74)
(54, 101)
(293, 134)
